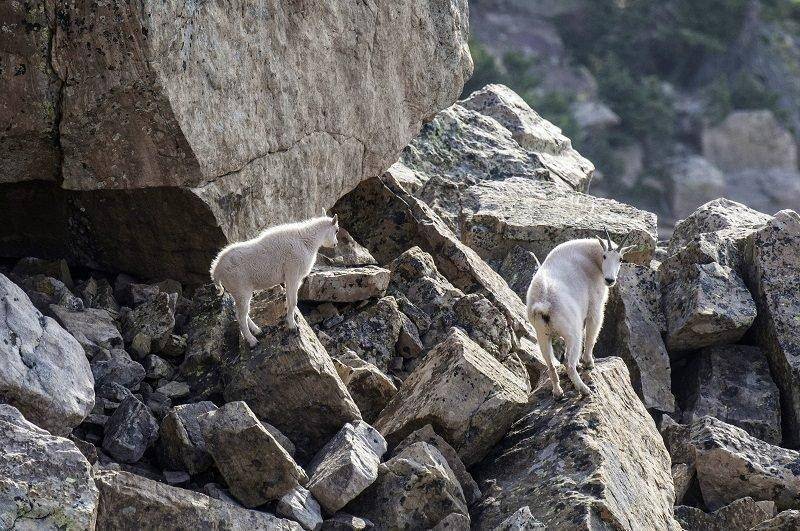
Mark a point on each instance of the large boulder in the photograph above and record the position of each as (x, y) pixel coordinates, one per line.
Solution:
(733, 384)
(299, 505)
(370, 387)
(717, 215)
(45, 481)
(430, 491)
(289, 376)
(466, 394)
(181, 445)
(252, 461)
(344, 284)
(732, 464)
(346, 466)
(586, 463)
(127, 498)
(130, 431)
(693, 181)
(94, 328)
(632, 330)
(149, 326)
(130, 115)
(44, 372)
(773, 262)
(784, 521)
(743, 514)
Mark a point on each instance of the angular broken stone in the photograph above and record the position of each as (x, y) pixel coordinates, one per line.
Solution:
(344, 284)
(466, 394)
(427, 435)
(31, 266)
(430, 491)
(773, 261)
(46, 482)
(299, 505)
(164, 507)
(153, 319)
(157, 368)
(130, 431)
(44, 291)
(632, 330)
(346, 466)
(522, 520)
(717, 215)
(744, 513)
(784, 521)
(346, 522)
(98, 293)
(571, 462)
(484, 324)
(733, 384)
(732, 464)
(518, 268)
(181, 445)
(346, 253)
(94, 329)
(44, 371)
(255, 466)
(370, 388)
(174, 390)
(116, 366)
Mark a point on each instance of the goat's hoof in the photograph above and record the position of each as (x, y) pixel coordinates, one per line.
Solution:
(256, 331)
(558, 394)
(585, 391)
(588, 365)
(252, 342)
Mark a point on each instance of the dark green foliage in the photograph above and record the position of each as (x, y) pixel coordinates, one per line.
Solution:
(741, 92)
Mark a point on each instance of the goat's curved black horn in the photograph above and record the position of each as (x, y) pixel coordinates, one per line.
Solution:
(608, 238)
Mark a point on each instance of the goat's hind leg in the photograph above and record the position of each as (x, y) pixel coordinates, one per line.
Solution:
(593, 326)
(546, 346)
(242, 307)
(254, 328)
(573, 342)
(292, 286)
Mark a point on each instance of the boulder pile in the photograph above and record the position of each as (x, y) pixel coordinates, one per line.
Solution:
(413, 394)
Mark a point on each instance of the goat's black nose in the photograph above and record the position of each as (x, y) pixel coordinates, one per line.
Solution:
(610, 281)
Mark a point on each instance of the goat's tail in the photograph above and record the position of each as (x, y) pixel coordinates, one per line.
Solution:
(539, 310)
(214, 279)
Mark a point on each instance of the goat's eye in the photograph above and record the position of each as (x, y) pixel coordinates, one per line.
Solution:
(604, 257)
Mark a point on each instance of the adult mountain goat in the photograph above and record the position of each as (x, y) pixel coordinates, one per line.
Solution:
(282, 254)
(566, 298)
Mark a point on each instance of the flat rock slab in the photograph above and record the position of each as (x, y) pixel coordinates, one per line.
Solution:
(181, 445)
(744, 513)
(126, 498)
(93, 328)
(44, 373)
(46, 481)
(583, 463)
(344, 284)
(466, 394)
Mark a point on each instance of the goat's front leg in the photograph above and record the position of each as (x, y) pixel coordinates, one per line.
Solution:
(573, 342)
(292, 286)
(593, 325)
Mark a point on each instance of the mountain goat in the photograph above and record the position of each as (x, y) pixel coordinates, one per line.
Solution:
(567, 295)
(282, 254)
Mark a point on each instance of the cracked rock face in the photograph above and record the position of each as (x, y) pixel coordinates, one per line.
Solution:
(45, 482)
(44, 371)
(131, 114)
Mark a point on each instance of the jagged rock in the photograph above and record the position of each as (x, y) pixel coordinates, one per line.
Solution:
(693, 181)
(704, 305)
(372, 333)
(750, 140)
(130, 431)
(346, 253)
(158, 404)
(299, 505)
(733, 384)
(157, 368)
(741, 515)
(126, 498)
(290, 376)
(784, 521)
(44, 373)
(370, 388)
(254, 464)
(346, 466)
(153, 320)
(98, 293)
(180, 442)
(219, 493)
(518, 268)
(116, 366)
(44, 291)
(466, 394)
(176, 477)
(94, 329)
(409, 344)
(113, 391)
(174, 390)
(31, 266)
(522, 520)
(682, 476)
(484, 324)
(499, 215)
(46, 482)
(430, 491)
(212, 339)
(719, 214)
(773, 260)
(767, 190)
(137, 140)
(346, 522)
(732, 464)
(587, 463)
(632, 330)
(344, 284)
(427, 435)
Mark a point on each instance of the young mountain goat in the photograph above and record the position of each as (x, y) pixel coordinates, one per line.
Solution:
(569, 292)
(281, 254)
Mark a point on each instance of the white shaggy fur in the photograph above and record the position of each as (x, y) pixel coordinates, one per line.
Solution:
(566, 298)
(282, 254)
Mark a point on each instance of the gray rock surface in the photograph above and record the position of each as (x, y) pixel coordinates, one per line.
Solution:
(784, 521)
(716, 215)
(46, 482)
(150, 324)
(44, 291)
(254, 464)
(694, 181)
(288, 377)
(117, 366)
(133, 119)
(773, 260)
(518, 268)
(344, 284)
(468, 397)
(732, 464)
(44, 373)
(130, 431)
(743, 514)
(299, 505)
(126, 497)
(522, 520)
(430, 491)
(181, 445)
(346, 466)
(370, 388)
(585, 463)
(94, 328)
(733, 384)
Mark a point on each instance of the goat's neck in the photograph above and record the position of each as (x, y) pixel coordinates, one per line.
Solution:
(312, 238)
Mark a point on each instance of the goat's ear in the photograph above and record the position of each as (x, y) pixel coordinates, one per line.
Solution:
(602, 243)
(335, 219)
